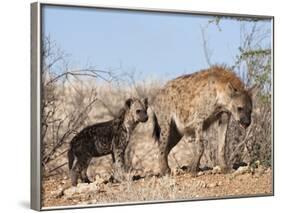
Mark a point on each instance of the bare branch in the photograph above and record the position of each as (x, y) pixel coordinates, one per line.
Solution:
(56, 168)
(242, 143)
(72, 126)
(207, 51)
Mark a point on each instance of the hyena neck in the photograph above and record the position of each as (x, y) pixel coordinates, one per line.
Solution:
(129, 123)
(222, 100)
(125, 121)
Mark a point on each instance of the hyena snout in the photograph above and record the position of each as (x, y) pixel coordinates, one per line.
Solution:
(142, 115)
(244, 115)
(245, 121)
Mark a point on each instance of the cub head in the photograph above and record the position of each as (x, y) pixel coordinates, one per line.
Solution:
(137, 109)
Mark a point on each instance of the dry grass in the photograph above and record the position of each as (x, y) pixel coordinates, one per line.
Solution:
(176, 187)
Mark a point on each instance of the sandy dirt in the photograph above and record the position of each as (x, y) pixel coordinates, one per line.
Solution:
(57, 190)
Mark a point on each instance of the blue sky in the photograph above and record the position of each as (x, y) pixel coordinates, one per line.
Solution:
(158, 45)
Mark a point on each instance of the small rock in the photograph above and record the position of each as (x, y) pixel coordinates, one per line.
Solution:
(93, 201)
(257, 163)
(69, 192)
(216, 170)
(81, 188)
(115, 184)
(260, 171)
(99, 179)
(177, 171)
(268, 170)
(200, 173)
(208, 172)
(241, 170)
(212, 185)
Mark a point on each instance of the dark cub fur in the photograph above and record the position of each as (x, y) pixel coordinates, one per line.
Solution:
(111, 137)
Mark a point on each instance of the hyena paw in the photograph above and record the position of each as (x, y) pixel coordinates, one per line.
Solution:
(86, 180)
(164, 171)
(225, 169)
(192, 169)
(119, 174)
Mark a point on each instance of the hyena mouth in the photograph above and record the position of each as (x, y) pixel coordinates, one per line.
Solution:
(144, 119)
(244, 126)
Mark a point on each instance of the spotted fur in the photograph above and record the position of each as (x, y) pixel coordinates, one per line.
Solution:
(189, 104)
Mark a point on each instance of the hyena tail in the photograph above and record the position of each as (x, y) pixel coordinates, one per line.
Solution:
(71, 158)
(156, 128)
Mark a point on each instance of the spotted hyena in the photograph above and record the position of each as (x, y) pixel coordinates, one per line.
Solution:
(189, 104)
(110, 137)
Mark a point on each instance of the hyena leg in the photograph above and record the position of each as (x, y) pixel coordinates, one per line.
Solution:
(74, 177)
(199, 144)
(83, 169)
(74, 172)
(169, 137)
(79, 170)
(119, 163)
(113, 158)
(222, 130)
(163, 155)
(84, 176)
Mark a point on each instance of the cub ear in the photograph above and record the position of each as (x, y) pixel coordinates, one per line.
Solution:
(232, 91)
(254, 90)
(145, 102)
(128, 103)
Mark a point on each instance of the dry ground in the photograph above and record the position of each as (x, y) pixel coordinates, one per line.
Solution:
(209, 184)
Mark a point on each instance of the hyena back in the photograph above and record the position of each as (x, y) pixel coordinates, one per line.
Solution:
(111, 137)
(189, 104)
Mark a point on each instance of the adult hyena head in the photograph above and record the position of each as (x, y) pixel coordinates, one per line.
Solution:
(240, 104)
(136, 110)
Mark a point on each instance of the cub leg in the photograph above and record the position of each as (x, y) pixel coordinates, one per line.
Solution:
(119, 163)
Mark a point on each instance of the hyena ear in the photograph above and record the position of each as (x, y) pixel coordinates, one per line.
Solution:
(128, 103)
(254, 90)
(145, 102)
(232, 91)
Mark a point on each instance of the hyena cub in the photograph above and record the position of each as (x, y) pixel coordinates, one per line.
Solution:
(110, 137)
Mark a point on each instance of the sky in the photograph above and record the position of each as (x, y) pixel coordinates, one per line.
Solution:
(156, 45)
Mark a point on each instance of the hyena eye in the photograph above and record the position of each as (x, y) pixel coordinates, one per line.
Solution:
(240, 109)
(138, 111)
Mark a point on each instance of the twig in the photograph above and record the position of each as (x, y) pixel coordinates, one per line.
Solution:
(52, 170)
(207, 53)
(240, 145)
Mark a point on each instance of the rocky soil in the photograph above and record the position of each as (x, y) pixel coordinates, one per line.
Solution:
(57, 190)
